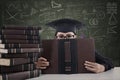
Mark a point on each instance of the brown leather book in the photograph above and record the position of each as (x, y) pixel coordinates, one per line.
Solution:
(68, 56)
(20, 55)
(19, 32)
(21, 27)
(20, 50)
(6, 46)
(16, 61)
(17, 68)
(17, 37)
(20, 75)
(20, 41)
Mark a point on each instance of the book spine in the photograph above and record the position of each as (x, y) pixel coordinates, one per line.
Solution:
(19, 32)
(20, 46)
(20, 55)
(20, 75)
(20, 50)
(16, 61)
(20, 41)
(22, 37)
(17, 68)
(18, 27)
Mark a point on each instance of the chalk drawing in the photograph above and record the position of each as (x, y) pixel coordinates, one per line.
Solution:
(55, 4)
(111, 30)
(33, 11)
(11, 16)
(93, 21)
(84, 13)
(112, 10)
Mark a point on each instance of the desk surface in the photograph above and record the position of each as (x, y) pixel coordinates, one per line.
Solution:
(113, 74)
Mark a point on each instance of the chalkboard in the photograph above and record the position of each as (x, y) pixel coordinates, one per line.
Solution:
(101, 19)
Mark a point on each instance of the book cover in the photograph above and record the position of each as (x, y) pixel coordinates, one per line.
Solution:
(19, 32)
(16, 61)
(21, 37)
(20, 75)
(20, 41)
(20, 55)
(20, 50)
(68, 56)
(6, 46)
(17, 68)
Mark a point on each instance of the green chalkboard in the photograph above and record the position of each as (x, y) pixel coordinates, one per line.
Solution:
(101, 19)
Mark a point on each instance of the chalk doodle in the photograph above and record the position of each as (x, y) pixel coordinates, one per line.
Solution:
(111, 30)
(112, 10)
(33, 11)
(93, 21)
(55, 4)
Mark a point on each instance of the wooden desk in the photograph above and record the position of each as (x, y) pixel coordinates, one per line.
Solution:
(113, 74)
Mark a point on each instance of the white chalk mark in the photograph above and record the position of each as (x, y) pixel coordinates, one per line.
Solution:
(93, 21)
(111, 30)
(55, 5)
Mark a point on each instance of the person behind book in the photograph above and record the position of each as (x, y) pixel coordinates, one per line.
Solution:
(65, 29)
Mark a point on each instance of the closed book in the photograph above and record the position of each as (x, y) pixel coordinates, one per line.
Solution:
(68, 56)
(21, 37)
(20, 50)
(20, 75)
(16, 61)
(17, 68)
(20, 46)
(21, 27)
(19, 32)
(20, 41)
(20, 55)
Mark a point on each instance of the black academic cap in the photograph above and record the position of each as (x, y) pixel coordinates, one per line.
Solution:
(65, 25)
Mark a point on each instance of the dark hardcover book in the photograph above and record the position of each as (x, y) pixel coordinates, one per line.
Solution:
(20, 27)
(20, 50)
(20, 55)
(21, 37)
(20, 41)
(17, 68)
(4, 46)
(68, 56)
(19, 32)
(20, 75)
(16, 61)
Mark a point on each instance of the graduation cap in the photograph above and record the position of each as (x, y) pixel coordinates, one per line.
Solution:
(65, 25)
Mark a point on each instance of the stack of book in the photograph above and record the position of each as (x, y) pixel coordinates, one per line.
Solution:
(20, 47)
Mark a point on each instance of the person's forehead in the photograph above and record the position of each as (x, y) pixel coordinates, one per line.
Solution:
(65, 33)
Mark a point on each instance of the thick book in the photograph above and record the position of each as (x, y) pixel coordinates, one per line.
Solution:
(20, 41)
(20, 50)
(4, 46)
(68, 56)
(21, 27)
(16, 61)
(20, 75)
(20, 55)
(17, 68)
(21, 37)
(19, 32)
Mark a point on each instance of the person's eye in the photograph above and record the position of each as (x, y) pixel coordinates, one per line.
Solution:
(61, 36)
